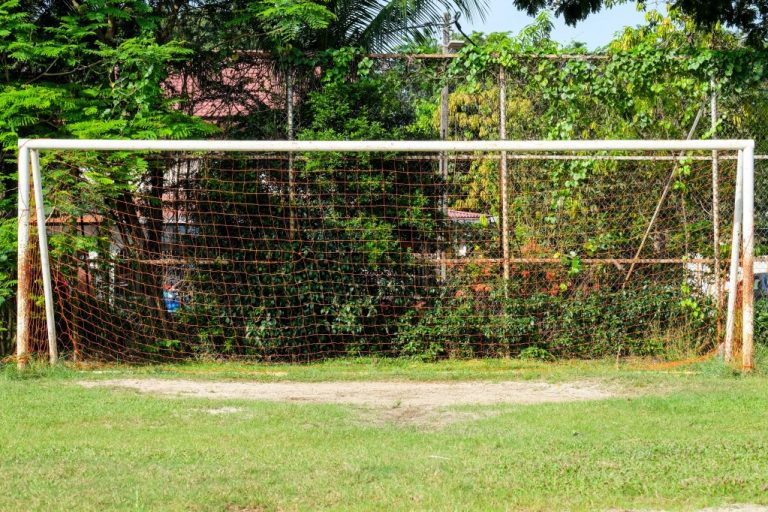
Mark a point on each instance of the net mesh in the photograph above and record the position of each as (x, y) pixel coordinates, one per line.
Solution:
(298, 257)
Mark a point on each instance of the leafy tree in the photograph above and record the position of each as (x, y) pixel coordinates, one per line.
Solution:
(313, 26)
(74, 70)
(750, 17)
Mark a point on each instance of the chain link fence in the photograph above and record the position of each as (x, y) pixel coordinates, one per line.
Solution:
(577, 229)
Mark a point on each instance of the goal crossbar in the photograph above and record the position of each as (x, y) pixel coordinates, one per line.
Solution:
(383, 145)
(29, 163)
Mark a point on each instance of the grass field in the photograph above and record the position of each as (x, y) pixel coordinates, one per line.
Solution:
(676, 438)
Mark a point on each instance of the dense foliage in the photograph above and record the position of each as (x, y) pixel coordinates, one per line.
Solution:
(107, 69)
(750, 17)
(98, 68)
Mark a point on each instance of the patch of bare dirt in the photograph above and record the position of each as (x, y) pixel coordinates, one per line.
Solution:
(398, 401)
(224, 410)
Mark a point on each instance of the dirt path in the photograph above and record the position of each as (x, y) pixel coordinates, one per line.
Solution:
(407, 402)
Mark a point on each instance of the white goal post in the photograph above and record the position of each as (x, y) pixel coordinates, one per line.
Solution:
(29, 164)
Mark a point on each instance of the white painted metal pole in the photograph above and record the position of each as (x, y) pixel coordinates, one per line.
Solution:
(748, 252)
(430, 146)
(45, 266)
(24, 277)
(733, 272)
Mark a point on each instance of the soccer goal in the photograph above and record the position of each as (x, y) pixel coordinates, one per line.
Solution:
(296, 251)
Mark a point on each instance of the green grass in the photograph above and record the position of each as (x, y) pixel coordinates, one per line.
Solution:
(640, 371)
(702, 440)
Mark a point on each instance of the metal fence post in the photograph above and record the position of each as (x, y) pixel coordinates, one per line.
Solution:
(291, 173)
(444, 136)
(716, 207)
(504, 173)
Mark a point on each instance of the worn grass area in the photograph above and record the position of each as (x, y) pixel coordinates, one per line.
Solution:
(639, 371)
(701, 440)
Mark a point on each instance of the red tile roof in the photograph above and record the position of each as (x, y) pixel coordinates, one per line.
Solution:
(241, 88)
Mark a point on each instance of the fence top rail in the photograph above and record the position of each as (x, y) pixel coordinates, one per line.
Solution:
(385, 146)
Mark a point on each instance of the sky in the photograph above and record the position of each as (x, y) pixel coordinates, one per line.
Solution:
(596, 31)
